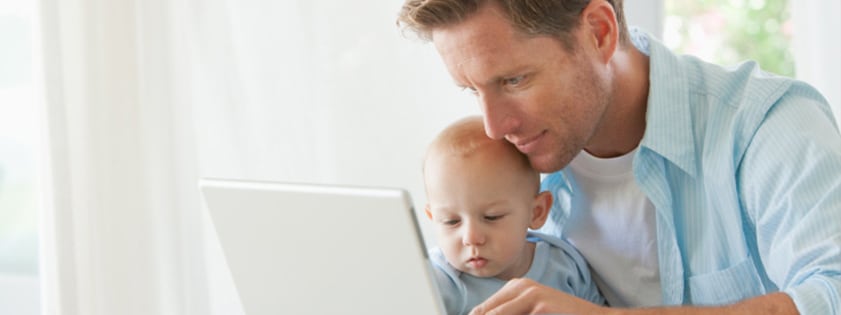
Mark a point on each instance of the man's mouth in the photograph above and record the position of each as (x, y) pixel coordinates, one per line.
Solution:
(528, 145)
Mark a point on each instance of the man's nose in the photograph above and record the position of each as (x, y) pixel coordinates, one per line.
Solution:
(497, 115)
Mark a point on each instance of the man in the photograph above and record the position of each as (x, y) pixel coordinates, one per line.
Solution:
(689, 188)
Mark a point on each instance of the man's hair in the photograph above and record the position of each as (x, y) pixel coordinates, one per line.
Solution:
(555, 18)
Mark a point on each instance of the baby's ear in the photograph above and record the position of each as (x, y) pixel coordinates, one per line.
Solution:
(428, 213)
(540, 209)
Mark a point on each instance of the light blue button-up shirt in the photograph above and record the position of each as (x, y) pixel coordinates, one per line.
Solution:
(744, 170)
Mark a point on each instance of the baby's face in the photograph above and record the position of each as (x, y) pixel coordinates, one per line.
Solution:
(482, 211)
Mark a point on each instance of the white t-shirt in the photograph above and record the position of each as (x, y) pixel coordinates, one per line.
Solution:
(615, 230)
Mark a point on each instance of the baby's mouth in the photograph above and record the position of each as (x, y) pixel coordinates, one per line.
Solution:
(477, 262)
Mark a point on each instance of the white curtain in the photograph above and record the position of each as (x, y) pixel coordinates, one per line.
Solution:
(119, 235)
(144, 97)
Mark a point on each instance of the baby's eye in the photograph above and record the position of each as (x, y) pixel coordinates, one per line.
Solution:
(493, 217)
(451, 222)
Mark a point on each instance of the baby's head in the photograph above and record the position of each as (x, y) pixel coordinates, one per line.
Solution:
(482, 195)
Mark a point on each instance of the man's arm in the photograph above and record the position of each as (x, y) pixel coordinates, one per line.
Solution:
(789, 183)
(523, 296)
(772, 304)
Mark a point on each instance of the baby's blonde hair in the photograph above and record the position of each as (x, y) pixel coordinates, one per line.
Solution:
(466, 137)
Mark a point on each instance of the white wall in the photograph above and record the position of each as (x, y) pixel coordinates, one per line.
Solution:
(322, 91)
(817, 47)
(311, 91)
(315, 91)
(646, 14)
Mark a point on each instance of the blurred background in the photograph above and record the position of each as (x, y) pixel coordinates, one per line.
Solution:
(110, 110)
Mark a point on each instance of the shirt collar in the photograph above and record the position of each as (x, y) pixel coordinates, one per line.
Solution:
(669, 129)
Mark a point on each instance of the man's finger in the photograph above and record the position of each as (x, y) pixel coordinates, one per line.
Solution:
(512, 298)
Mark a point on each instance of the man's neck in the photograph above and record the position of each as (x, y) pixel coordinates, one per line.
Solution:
(623, 125)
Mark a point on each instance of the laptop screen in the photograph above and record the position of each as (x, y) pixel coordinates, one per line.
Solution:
(319, 249)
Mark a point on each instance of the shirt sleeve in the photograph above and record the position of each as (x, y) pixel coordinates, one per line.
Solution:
(448, 283)
(790, 183)
(570, 271)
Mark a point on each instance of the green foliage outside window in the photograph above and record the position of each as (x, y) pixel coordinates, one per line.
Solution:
(728, 32)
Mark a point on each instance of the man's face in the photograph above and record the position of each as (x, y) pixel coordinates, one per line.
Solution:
(547, 101)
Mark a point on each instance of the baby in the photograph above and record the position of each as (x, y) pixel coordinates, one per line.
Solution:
(482, 197)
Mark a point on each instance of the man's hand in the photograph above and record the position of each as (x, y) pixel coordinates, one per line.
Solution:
(525, 296)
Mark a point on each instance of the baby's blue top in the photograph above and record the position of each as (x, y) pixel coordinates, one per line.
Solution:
(556, 264)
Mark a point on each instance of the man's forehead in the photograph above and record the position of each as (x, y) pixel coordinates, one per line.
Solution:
(474, 49)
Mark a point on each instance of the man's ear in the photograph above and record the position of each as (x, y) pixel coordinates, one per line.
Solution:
(428, 213)
(540, 209)
(599, 19)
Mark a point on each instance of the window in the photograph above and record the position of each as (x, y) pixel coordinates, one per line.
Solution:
(19, 164)
(728, 32)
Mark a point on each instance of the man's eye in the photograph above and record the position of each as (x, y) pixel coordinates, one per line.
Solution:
(514, 81)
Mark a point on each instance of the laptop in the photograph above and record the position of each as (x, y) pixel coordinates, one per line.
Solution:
(319, 249)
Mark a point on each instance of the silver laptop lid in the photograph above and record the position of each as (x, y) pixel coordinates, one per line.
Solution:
(318, 249)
